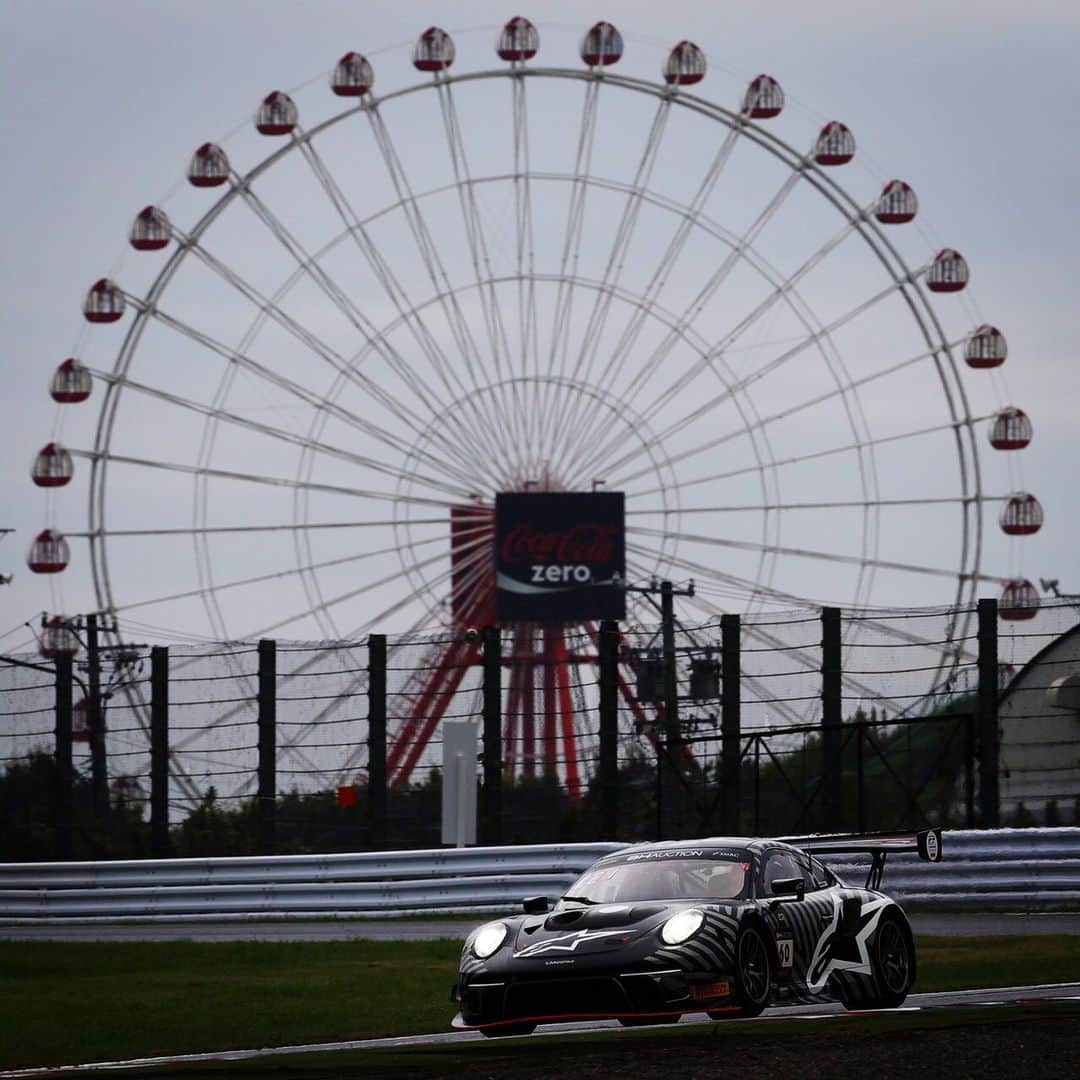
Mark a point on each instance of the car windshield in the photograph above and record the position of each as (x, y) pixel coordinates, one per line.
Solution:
(662, 877)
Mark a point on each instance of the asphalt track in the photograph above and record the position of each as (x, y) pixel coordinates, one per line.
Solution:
(997, 997)
(962, 924)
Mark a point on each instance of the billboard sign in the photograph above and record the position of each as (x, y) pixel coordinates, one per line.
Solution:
(560, 556)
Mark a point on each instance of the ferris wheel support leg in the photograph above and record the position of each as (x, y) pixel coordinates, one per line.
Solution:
(550, 699)
(528, 749)
(514, 702)
(642, 721)
(449, 675)
(407, 744)
(566, 718)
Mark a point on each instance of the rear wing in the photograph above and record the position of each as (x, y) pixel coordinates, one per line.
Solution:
(927, 842)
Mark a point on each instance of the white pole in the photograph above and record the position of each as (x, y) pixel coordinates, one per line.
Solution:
(462, 800)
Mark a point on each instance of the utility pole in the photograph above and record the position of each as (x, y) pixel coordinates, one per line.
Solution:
(671, 787)
(95, 724)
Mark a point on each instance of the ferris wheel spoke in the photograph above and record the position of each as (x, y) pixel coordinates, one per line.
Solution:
(298, 526)
(809, 553)
(784, 414)
(495, 325)
(656, 359)
(350, 594)
(602, 302)
(257, 478)
(689, 217)
(745, 588)
(294, 389)
(704, 409)
(846, 448)
(389, 282)
(765, 306)
(564, 293)
(473, 589)
(348, 308)
(831, 504)
(289, 437)
(346, 371)
(779, 291)
(276, 575)
(428, 250)
(525, 261)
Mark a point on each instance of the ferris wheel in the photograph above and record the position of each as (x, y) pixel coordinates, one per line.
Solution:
(526, 277)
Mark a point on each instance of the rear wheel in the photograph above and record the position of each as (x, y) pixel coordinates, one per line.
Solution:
(753, 973)
(892, 969)
(893, 964)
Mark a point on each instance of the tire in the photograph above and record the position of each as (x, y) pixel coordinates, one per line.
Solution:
(504, 1030)
(753, 973)
(892, 964)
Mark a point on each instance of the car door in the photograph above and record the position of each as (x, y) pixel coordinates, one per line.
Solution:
(779, 864)
(798, 925)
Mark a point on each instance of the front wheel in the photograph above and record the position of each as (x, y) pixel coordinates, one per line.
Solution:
(753, 972)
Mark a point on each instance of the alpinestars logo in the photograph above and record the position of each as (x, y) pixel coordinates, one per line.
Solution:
(844, 952)
(566, 943)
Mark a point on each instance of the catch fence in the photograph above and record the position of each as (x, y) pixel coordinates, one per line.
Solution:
(774, 723)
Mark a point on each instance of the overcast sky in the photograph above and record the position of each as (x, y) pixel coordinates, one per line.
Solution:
(973, 103)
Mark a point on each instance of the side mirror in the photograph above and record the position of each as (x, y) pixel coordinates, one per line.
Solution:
(789, 886)
(535, 905)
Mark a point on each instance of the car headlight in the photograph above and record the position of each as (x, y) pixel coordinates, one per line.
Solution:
(681, 927)
(489, 938)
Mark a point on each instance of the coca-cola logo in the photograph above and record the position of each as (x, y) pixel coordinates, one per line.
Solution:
(582, 543)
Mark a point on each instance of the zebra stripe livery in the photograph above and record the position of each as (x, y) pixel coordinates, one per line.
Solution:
(724, 926)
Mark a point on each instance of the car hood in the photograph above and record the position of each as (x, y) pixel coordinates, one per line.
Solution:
(590, 929)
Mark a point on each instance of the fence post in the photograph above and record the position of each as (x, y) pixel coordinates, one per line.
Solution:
(65, 774)
(831, 720)
(492, 695)
(608, 766)
(757, 785)
(159, 751)
(970, 751)
(95, 725)
(989, 792)
(376, 741)
(860, 778)
(267, 800)
(730, 719)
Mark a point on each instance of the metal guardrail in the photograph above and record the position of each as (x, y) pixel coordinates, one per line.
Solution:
(441, 880)
(1027, 868)
(1019, 868)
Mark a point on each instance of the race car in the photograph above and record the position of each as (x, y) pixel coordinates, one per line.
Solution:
(722, 926)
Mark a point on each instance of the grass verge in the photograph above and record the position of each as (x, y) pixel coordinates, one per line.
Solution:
(73, 1002)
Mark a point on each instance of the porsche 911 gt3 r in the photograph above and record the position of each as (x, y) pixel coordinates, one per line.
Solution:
(720, 926)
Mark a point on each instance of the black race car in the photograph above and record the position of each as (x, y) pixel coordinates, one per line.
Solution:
(720, 926)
